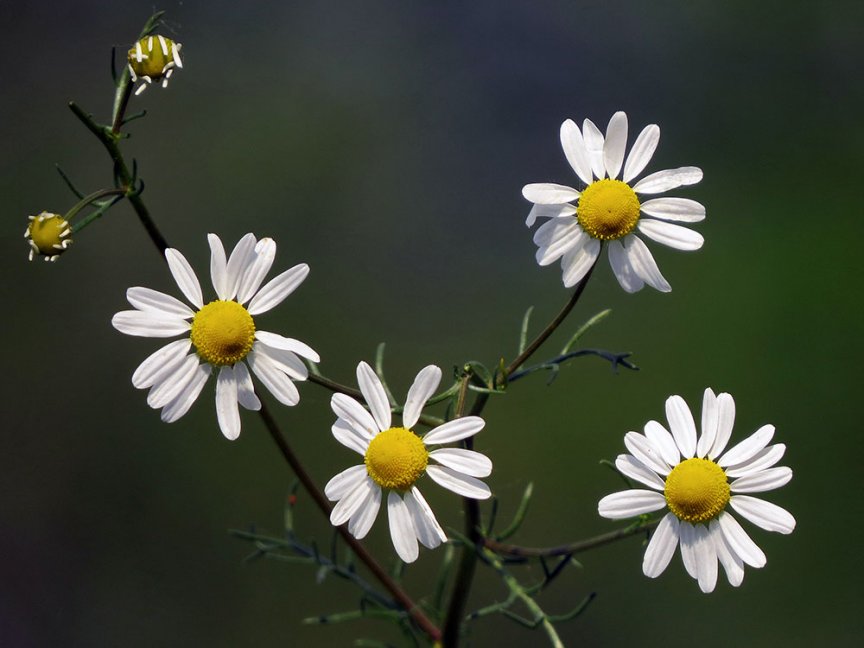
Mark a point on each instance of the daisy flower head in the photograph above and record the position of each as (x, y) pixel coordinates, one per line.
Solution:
(49, 235)
(153, 59)
(611, 208)
(394, 459)
(697, 483)
(220, 334)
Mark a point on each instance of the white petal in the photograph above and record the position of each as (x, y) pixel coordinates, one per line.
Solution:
(374, 394)
(159, 364)
(278, 288)
(682, 210)
(688, 549)
(739, 542)
(642, 261)
(763, 459)
(218, 267)
(624, 273)
(710, 416)
(569, 237)
(763, 514)
(289, 344)
(401, 528)
(662, 546)
(682, 425)
(146, 299)
(645, 451)
(276, 382)
(661, 439)
(149, 324)
(227, 412)
(635, 469)
(163, 393)
(348, 505)
(458, 483)
(241, 257)
(355, 415)
(675, 236)
(760, 482)
(594, 139)
(187, 396)
(349, 437)
(630, 503)
(549, 193)
(424, 386)
(260, 263)
(429, 532)
(454, 430)
(184, 276)
(747, 448)
(579, 260)
(668, 179)
(245, 389)
(575, 151)
(706, 559)
(732, 564)
(616, 143)
(286, 361)
(725, 423)
(548, 211)
(642, 152)
(467, 462)
(345, 482)
(364, 517)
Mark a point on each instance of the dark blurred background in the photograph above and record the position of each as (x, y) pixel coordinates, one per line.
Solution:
(386, 144)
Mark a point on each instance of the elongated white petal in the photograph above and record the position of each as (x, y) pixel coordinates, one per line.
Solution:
(348, 505)
(458, 483)
(668, 179)
(682, 425)
(241, 257)
(739, 542)
(149, 324)
(163, 393)
(159, 364)
(616, 144)
(645, 451)
(642, 261)
(467, 462)
(624, 273)
(662, 546)
(146, 299)
(276, 382)
(261, 261)
(553, 230)
(661, 439)
(725, 423)
(682, 210)
(675, 236)
(218, 267)
(289, 344)
(349, 437)
(355, 415)
(245, 389)
(558, 236)
(688, 549)
(732, 564)
(402, 529)
(635, 469)
(762, 481)
(185, 277)
(642, 152)
(187, 396)
(365, 515)
(454, 430)
(706, 559)
(594, 140)
(286, 361)
(763, 514)
(374, 394)
(763, 459)
(227, 412)
(575, 151)
(548, 211)
(277, 289)
(747, 448)
(429, 532)
(549, 193)
(424, 386)
(710, 417)
(630, 503)
(578, 260)
(345, 482)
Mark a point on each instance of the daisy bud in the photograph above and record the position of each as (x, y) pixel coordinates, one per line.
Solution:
(153, 59)
(48, 235)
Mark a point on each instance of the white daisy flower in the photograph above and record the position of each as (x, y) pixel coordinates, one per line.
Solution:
(395, 458)
(220, 334)
(696, 482)
(609, 209)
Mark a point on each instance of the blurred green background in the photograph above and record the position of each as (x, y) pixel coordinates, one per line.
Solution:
(386, 144)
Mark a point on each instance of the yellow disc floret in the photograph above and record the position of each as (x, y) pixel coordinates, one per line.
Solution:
(48, 235)
(396, 458)
(608, 209)
(697, 490)
(223, 332)
(152, 57)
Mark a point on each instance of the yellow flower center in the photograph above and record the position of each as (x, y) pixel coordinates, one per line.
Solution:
(154, 59)
(697, 490)
(396, 458)
(608, 209)
(223, 332)
(48, 231)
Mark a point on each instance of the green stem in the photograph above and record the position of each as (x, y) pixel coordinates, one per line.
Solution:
(86, 200)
